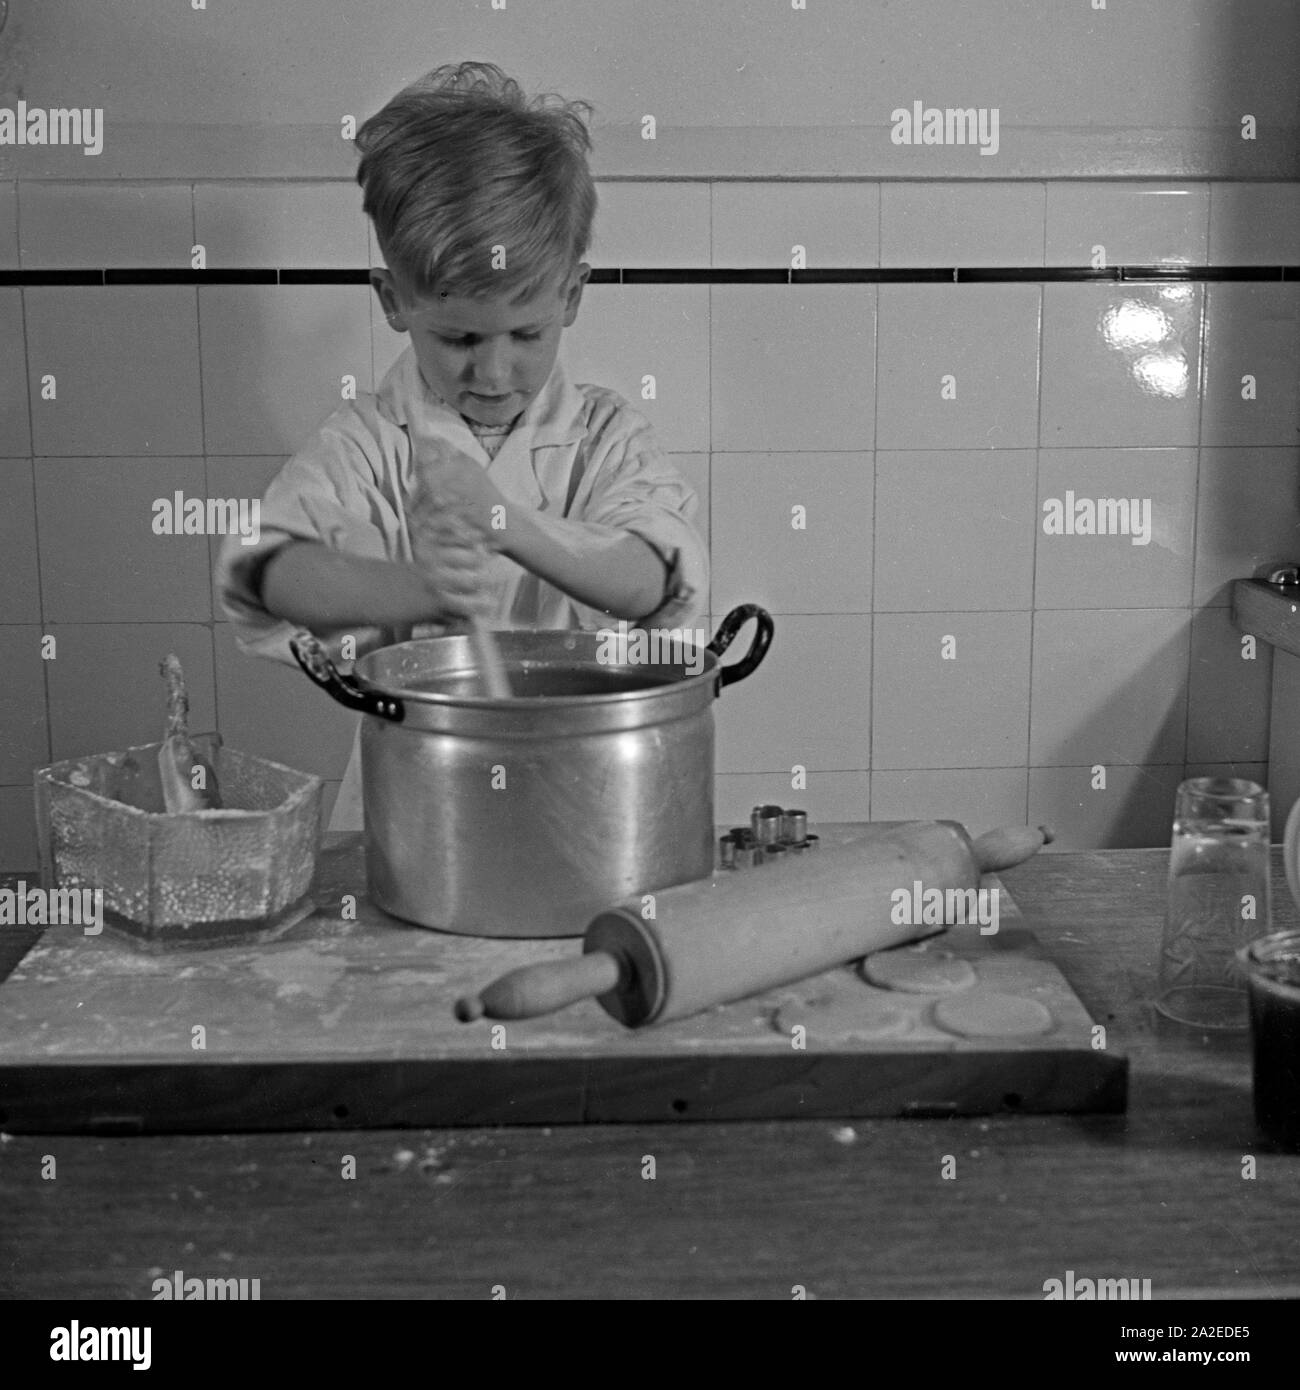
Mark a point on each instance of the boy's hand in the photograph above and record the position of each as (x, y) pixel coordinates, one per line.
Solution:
(447, 479)
(448, 547)
(453, 562)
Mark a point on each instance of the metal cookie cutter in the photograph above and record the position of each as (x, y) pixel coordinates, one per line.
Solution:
(766, 821)
(771, 833)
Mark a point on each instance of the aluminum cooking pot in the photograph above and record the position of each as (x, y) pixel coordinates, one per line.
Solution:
(528, 816)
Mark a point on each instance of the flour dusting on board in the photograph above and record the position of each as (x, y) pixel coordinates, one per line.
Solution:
(301, 971)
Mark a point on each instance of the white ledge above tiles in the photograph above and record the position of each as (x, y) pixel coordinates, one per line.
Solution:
(180, 150)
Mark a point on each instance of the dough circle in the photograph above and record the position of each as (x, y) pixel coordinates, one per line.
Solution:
(978, 1015)
(845, 1018)
(914, 970)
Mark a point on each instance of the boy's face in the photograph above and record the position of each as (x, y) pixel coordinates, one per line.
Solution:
(485, 357)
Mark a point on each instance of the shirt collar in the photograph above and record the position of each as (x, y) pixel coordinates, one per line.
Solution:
(554, 416)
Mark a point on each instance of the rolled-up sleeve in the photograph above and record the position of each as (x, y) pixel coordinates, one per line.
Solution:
(637, 489)
(331, 493)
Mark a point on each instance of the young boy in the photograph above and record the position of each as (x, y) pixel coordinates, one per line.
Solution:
(566, 512)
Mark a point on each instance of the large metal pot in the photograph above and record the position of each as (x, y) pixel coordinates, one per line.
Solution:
(527, 816)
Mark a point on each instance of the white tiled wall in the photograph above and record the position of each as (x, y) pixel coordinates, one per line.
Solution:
(872, 461)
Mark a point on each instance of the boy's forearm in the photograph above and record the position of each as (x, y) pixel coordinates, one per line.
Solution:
(309, 583)
(621, 576)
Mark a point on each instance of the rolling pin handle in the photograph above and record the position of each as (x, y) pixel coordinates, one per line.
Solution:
(1012, 845)
(533, 990)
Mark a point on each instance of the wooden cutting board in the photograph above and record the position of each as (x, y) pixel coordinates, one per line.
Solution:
(346, 1022)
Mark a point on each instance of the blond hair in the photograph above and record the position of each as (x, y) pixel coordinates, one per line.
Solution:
(461, 163)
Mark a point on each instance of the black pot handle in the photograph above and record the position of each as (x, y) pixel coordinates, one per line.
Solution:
(349, 691)
(727, 629)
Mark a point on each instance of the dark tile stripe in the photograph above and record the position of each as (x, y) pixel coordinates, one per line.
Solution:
(978, 274)
(869, 276)
(51, 277)
(184, 276)
(668, 276)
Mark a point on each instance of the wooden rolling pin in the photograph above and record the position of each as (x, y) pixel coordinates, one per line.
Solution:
(725, 938)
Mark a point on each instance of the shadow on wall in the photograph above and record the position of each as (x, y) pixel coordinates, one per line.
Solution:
(1126, 798)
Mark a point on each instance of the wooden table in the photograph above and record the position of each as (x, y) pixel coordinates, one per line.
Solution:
(733, 1210)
